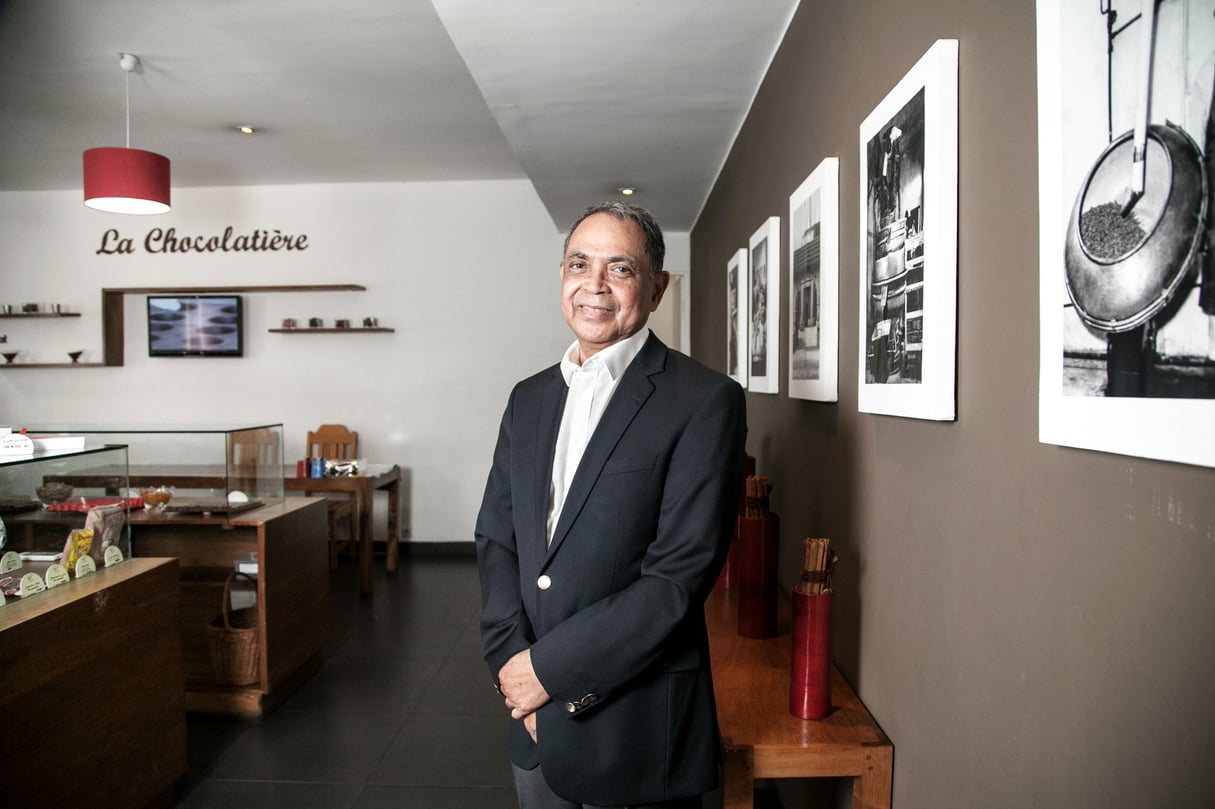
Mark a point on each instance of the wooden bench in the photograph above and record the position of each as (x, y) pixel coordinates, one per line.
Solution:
(762, 739)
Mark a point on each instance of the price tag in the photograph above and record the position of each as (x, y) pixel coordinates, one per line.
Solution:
(31, 584)
(56, 575)
(85, 566)
(10, 561)
(113, 556)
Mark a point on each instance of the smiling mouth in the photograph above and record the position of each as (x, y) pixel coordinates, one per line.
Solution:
(594, 310)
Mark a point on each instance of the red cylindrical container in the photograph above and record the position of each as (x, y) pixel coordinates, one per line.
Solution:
(810, 663)
(756, 555)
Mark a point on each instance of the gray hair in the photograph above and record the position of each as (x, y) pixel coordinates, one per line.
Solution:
(655, 247)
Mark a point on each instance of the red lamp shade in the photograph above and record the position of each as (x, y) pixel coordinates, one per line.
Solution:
(126, 181)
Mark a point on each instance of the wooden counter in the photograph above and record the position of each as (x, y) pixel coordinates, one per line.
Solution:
(91, 691)
(359, 488)
(291, 542)
(762, 739)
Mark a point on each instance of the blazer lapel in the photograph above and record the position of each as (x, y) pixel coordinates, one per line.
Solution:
(631, 394)
(552, 402)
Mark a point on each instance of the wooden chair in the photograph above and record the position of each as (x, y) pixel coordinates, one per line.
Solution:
(335, 442)
(253, 455)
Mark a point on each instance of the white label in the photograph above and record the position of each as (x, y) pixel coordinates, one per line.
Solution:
(113, 556)
(10, 561)
(31, 584)
(56, 575)
(85, 566)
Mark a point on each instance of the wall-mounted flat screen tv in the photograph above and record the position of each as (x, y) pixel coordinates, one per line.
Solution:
(195, 326)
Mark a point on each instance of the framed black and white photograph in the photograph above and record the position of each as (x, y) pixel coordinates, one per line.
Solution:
(814, 275)
(908, 243)
(763, 336)
(1126, 133)
(736, 313)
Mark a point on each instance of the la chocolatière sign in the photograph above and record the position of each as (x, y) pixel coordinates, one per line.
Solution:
(168, 240)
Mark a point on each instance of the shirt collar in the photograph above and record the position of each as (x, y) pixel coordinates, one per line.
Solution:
(615, 358)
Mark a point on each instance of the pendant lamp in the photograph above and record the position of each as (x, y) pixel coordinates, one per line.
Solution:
(130, 181)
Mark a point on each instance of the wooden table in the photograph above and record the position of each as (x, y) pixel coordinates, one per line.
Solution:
(361, 489)
(762, 739)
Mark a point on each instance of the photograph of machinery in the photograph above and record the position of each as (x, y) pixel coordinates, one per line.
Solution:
(895, 249)
(1140, 305)
(814, 269)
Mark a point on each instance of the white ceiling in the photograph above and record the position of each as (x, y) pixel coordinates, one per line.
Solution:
(579, 96)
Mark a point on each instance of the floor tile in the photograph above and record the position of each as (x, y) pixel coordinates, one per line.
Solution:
(444, 750)
(309, 745)
(401, 712)
(271, 795)
(400, 797)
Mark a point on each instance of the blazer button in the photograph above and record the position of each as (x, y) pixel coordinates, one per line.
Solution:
(544, 582)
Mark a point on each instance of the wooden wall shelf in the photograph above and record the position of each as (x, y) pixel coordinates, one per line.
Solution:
(113, 336)
(188, 290)
(52, 365)
(19, 315)
(39, 314)
(309, 330)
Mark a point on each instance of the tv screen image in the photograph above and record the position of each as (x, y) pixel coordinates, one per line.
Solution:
(195, 326)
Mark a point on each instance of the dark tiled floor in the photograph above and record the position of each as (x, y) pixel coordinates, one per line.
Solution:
(401, 713)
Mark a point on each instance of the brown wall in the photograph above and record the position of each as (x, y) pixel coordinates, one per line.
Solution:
(1032, 625)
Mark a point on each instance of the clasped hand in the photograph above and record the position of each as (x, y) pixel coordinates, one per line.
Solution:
(522, 689)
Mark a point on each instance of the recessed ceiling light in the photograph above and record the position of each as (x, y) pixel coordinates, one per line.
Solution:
(245, 130)
(628, 190)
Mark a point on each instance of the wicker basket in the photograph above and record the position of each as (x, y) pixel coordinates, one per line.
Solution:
(234, 642)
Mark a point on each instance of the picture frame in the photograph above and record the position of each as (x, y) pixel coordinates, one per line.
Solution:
(736, 314)
(907, 325)
(1125, 360)
(763, 308)
(814, 275)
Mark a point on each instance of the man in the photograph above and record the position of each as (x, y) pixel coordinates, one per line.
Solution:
(606, 518)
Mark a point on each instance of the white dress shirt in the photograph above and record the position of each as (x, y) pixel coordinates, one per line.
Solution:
(591, 387)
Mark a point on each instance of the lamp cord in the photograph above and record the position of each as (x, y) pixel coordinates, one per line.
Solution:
(127, 76)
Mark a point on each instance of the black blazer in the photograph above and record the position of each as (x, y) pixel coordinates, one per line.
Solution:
(613, 609)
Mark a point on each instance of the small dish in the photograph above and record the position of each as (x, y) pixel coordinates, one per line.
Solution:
(53, 492)
(155, 498)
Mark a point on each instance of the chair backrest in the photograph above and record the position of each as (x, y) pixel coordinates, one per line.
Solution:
(254, 448)
(333, 441)
(255, 459)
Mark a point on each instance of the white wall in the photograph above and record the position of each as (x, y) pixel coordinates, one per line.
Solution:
(466, 272)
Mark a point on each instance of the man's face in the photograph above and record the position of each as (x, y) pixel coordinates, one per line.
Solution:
(607, 289)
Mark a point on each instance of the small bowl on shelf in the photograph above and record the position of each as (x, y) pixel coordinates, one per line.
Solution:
(53, 492)
(155, 498)
(9, 356)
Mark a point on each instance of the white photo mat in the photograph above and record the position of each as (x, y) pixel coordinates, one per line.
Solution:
(736, 314)
(763, 314)
(908, 243)
(1079, 111)
(814, 274)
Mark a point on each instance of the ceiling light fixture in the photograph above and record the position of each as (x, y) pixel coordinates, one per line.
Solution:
(131, 181)
(628, 190)
(245, 130)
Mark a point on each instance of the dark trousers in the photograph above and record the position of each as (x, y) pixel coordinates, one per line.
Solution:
(534, 793)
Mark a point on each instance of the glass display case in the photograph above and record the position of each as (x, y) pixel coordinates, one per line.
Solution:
(47, 494)
(219, 471)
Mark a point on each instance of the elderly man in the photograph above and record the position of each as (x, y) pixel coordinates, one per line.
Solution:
(606, 518)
